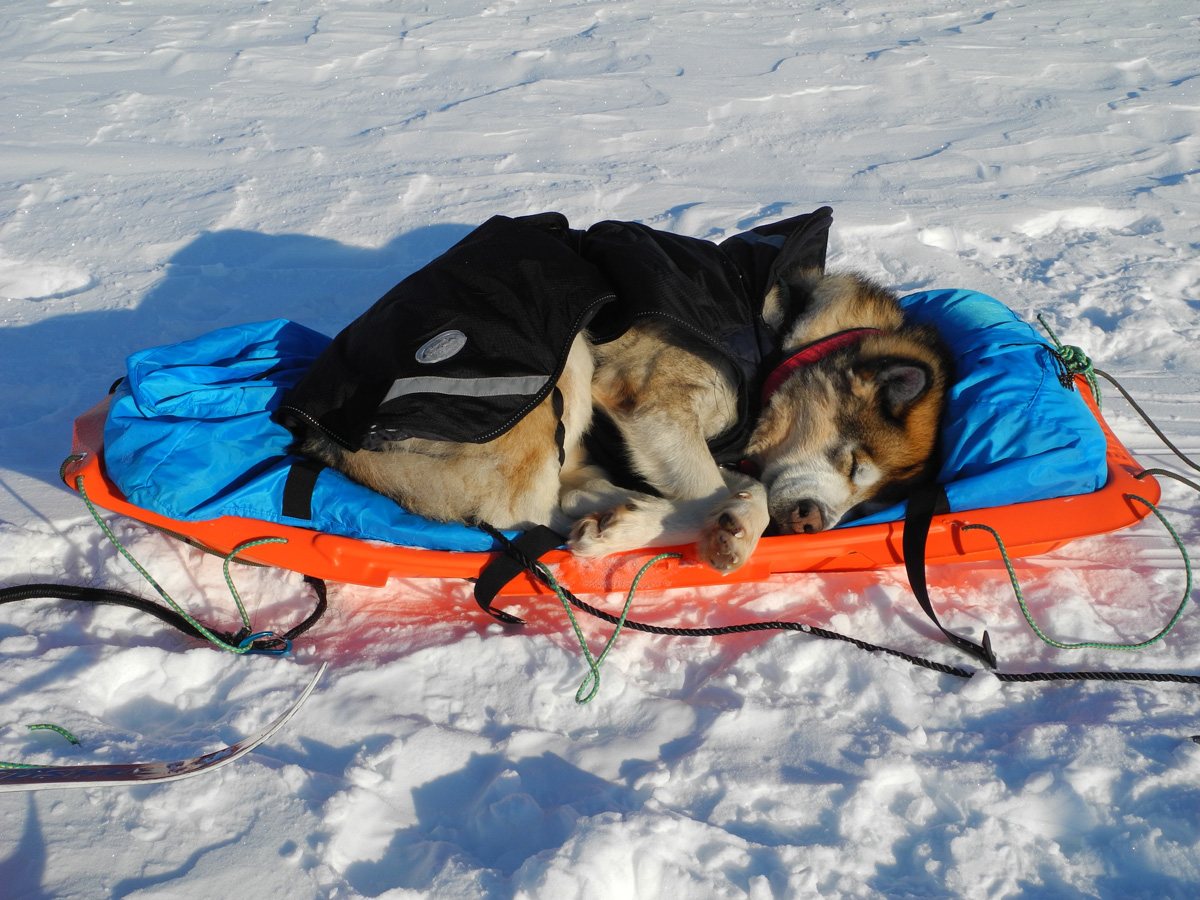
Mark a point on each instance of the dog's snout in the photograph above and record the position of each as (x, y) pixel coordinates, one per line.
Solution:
(804, 516)
(807, 517)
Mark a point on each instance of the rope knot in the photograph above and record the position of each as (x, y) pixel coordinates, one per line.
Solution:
(1072, 361)
(1075, 360)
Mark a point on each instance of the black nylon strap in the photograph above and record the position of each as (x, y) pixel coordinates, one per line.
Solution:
(298, 488)
(560, 429)
(518, 556)
(924, 503)
(98, 595)
(163, 613)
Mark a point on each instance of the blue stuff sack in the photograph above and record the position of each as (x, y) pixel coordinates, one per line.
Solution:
(1012, 432)
(189, 435)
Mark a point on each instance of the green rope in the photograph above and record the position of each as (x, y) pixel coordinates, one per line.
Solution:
(1074, 362)
(45, 726)
(1098, 645)
(41, 726)
(594, 663)
(245, 646)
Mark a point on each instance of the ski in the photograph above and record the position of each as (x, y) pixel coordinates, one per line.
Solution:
(42, 778)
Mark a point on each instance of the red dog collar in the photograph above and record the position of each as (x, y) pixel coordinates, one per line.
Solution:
(808, 355)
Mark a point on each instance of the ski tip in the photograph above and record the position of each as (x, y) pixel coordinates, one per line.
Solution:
(37, 778)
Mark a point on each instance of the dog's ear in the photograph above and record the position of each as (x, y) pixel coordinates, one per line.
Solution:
(775, 305)
(903, 384)
(788, 296)
(899, 383)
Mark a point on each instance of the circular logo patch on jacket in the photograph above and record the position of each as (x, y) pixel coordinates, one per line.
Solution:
(442, 346)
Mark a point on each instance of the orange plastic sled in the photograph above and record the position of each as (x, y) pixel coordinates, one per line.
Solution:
(1027, 529)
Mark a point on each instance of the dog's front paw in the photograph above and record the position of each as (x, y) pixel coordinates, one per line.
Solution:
(586, 537)
(623, 527)
(731, 532)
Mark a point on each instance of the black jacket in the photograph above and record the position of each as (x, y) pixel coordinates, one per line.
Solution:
(467, 345)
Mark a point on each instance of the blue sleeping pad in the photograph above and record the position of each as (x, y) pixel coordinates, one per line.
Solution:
(190, 435)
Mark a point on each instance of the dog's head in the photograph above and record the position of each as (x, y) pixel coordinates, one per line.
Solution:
(854, 426)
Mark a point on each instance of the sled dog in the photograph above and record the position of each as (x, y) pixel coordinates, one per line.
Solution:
(848, 419)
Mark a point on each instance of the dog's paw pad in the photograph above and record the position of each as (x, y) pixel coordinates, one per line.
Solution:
(731, 533)
(726, 522)
(725, 544)
(721, 551)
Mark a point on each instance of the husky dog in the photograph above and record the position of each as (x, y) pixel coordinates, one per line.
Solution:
(849, 418)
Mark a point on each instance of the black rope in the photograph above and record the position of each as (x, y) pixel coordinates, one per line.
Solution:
(1100, 676)
(1146, 418)
(750, 627)
(1026, 677)
(865, 645)
(1163, 473)
(163, 613)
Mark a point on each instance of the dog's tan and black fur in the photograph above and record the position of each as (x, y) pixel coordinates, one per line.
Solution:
(855, 426)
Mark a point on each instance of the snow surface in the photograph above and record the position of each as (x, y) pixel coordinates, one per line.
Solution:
(169, 168)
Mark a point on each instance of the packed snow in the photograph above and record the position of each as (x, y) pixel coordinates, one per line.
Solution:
(171, 168)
